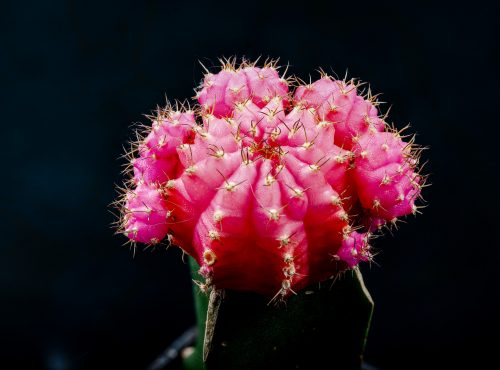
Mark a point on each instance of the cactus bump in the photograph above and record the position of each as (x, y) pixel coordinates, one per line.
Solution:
(270, 183)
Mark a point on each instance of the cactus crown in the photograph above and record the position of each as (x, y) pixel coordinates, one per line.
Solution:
(270, 183)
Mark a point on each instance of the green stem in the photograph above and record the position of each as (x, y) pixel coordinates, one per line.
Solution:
(194, 361)
(324, 323)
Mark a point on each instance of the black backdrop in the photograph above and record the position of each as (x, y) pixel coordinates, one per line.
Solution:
(76, 74)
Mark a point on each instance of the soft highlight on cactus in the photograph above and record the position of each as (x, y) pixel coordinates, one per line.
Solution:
(271, 184)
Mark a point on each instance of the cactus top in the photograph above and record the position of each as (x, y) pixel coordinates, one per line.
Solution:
(270, 188)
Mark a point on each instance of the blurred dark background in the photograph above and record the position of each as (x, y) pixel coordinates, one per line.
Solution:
(76, 74)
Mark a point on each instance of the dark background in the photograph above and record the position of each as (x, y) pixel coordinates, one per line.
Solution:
(76, 74)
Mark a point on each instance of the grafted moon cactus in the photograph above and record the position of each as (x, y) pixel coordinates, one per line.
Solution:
(269, 186)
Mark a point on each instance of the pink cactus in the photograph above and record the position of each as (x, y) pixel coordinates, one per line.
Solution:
(266, 194)
(220, 92)
(338, 102)
(146, 211)
(385, 176)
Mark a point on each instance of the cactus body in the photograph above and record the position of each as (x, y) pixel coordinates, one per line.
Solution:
(270, 191)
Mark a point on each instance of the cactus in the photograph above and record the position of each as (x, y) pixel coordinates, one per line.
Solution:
(270, 184)
(323, 324)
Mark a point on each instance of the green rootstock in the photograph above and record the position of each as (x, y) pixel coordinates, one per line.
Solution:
(323, 326)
